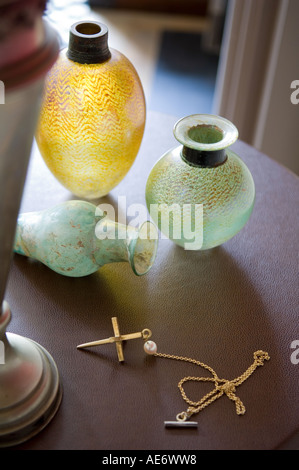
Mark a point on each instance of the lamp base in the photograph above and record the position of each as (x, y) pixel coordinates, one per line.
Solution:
(30, 391)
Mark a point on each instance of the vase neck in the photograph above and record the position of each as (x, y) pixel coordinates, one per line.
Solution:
(115, 242)
(203, 158)
(88, 43)
(205, 139)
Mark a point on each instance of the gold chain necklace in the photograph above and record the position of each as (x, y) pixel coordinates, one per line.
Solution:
(222, 386)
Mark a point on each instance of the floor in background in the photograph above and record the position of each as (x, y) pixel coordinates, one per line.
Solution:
(185, 76)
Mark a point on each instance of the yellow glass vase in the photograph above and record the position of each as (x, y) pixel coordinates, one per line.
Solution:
(93, 114)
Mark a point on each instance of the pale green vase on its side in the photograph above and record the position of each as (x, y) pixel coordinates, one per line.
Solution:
(205, 181)
(75, 239)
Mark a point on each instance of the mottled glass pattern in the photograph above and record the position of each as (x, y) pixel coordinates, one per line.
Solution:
(226, 192)
(91, 124)
(75, 239)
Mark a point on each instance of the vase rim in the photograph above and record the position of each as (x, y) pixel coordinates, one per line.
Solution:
(149, 252)
(227, 133)
(100, 29)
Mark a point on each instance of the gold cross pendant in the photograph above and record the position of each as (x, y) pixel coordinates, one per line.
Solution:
(118, 339)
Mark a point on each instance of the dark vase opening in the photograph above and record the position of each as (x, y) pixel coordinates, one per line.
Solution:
(88, 43)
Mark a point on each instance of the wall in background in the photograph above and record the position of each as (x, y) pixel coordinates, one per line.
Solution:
(278, 130)
(258, 63)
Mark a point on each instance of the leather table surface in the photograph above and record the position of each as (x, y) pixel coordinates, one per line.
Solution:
(217, 306)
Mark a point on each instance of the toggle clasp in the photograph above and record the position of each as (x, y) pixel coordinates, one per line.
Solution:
(182, 421)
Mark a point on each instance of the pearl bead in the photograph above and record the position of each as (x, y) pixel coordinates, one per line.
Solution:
(150, 347)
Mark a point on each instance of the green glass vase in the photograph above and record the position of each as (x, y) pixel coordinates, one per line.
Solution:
(76, 238)
(200, 194)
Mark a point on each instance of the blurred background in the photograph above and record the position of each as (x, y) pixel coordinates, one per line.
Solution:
(235, 58)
